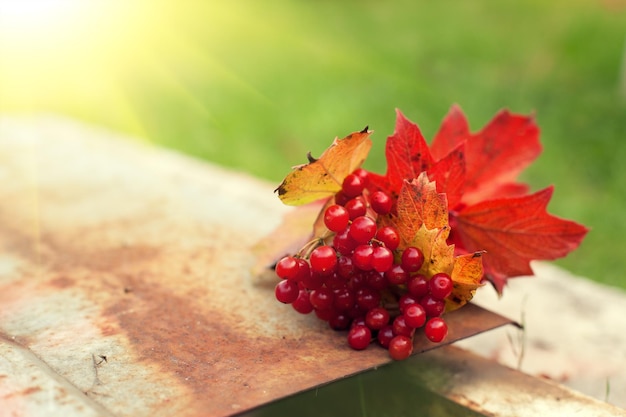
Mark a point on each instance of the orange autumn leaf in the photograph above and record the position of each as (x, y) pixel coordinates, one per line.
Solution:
(418, 204)
(466, 278)
(322, 177)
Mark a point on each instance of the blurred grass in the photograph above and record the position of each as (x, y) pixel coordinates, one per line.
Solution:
(254, 86)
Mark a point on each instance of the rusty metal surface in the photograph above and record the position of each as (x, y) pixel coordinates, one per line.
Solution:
(125, 284)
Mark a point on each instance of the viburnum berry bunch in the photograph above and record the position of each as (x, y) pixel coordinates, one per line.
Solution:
(390, 254)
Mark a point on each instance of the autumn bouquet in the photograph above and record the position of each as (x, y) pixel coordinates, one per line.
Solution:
(389, 254)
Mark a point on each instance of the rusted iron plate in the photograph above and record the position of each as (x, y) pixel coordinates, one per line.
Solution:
(126, 271)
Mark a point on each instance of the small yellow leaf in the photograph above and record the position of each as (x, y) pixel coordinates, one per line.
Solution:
(438, 255)
(466, 278)
(322, 177)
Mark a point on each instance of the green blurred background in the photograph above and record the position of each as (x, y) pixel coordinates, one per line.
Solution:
(255, 85)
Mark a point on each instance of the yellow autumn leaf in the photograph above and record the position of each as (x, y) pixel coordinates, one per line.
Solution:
(438, 255)
(322, 177)
(466, 278)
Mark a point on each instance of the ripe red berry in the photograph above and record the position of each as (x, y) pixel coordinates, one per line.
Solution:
(358, 321)
(302, 304)
(356, 207)
(313, 281)
(375, 280)
(287, 268)
(396, 275)
(382, 259)
(440, 285)
(322, 298)
(363, 174)
(412, 259)
(380, 202)
(406, 300)
(385, 335)
(377, 318)
(432, 306)
(367, 298)
(286, 291)
(336, 218)
(400, 347)
(415, 316)
(436, 329)
(362, 257)
(339, 321)
(343, 243)
(352, 185)
(362, 229)
(323, 260)
(417, 286)
(389, 236)
(400, 327)
(359, 337)
(304, 270)
(345, 267)
(344, 299)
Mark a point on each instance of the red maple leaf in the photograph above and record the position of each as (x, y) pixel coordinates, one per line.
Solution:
(489, 210)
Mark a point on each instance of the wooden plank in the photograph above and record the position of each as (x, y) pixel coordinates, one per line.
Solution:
(125, 278)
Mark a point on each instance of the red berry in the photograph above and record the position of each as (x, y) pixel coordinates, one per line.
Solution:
(359, 321)
(400, 327)
(287, 268)
(375, 280)
(405, 301)
(440, 285)
(341, 198)
(313, 281)
(339, 321)
(412, 259)
(322, 298)
(436, 329)
(324, 315)
(367, 298)
(352, 185)
(359, 337)
(344, 299)
(377, 318)
(389, 236)
(415, 316)
(343, 243)
(323, 260)
(345, 267)
(363, 174)
(400, 347)
(304, 270)
(287, 291)
(385, 335)
(356, 207)
(362, 257)
(302, 304)
(334, 282)
(363, 229)
(432, 306)
(382, 259)
(396, 275)
(336, 218)
(380, 202)
(417, 286)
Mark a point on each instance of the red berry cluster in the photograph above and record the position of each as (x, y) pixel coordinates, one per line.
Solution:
(358, 279)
